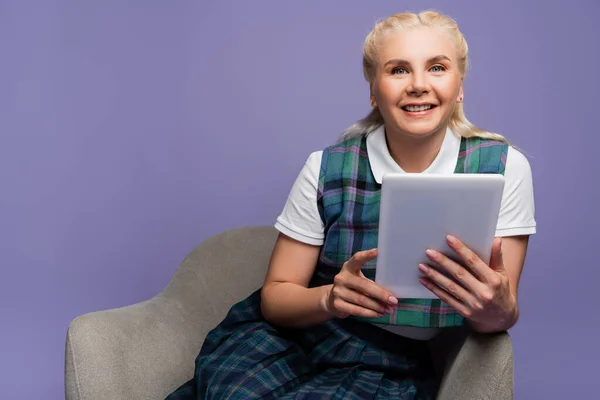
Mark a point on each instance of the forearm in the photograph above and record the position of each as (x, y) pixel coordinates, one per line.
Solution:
(292, 305)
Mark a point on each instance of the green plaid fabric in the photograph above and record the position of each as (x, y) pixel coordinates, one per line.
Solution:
(245, 358)
(348, 202)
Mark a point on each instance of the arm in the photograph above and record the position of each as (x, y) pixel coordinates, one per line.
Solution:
(286, 298)
(287, 301)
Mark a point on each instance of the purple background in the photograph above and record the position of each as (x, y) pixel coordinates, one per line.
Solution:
(131, 132)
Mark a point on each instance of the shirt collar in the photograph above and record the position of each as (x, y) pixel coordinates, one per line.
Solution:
(382, 162)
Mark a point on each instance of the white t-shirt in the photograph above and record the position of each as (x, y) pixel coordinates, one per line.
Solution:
(301, 221)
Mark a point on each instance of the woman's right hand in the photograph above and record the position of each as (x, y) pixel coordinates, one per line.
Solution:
(354, 294)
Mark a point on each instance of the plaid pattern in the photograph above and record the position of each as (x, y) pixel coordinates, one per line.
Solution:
(246, 358)
(348, 202)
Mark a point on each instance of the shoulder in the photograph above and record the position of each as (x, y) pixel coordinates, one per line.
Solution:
(517, 214)
(307, 180)
(312, 165)
(518, 177)
(300, 218)
(517, 164)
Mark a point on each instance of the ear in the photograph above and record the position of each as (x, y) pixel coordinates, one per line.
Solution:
(372, 97)
(461, 93)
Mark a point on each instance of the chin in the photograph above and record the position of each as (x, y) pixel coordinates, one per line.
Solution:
(419, 130)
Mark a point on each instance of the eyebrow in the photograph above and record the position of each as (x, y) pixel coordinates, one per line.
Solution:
(398, 61)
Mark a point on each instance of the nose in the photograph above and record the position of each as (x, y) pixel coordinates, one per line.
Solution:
(418, 84)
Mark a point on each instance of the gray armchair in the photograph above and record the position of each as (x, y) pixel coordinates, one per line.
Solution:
(147, 350)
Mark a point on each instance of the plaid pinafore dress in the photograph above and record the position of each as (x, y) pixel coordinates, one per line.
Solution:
(245, 357)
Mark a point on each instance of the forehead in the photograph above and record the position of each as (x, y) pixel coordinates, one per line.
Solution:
(416, 45)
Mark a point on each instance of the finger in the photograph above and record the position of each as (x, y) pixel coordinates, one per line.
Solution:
(356, 262)
(470, 259)
(459, 273)
(361, 300)
(371, 289)
(460, 307)
(496, 259)
(448, 284)
(345, 308)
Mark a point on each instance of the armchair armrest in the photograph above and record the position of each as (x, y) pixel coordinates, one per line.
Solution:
(474, 366)
(142, 351)
(147, 350)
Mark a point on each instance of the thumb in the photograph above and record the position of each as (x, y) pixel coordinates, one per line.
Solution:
(355, 263)
(496, 259)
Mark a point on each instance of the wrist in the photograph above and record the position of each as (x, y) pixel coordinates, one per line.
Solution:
(504, 323)
(324, 299)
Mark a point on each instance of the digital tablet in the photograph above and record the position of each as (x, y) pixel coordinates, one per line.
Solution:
(417, 211)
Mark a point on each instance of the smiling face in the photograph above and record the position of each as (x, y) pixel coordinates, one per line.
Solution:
(417, 81)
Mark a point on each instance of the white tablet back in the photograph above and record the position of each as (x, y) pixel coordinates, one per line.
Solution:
(417, 211)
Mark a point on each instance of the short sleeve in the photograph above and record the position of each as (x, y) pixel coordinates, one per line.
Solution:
(300, 218)
(517, 210)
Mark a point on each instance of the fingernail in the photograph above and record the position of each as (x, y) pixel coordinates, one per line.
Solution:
(389, 310)
(423, 281)
(423, 268)
(451, 239)
(393, 300)
(430, 253)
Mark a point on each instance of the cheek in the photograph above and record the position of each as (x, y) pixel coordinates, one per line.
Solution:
(446, 97)
(389, 91)
(449, 90)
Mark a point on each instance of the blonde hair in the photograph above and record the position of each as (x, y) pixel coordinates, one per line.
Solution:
(458, 121)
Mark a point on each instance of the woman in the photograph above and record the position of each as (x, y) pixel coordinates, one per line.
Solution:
(320, 327)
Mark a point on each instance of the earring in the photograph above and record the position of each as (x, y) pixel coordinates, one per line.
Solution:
(373, 103)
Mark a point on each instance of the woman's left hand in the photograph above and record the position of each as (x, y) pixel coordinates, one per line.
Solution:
(479, 292)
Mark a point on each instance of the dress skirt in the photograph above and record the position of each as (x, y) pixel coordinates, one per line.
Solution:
(245, 357)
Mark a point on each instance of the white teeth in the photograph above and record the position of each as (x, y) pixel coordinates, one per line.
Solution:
(418, 108)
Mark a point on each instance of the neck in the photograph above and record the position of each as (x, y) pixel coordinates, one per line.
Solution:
(414, 154)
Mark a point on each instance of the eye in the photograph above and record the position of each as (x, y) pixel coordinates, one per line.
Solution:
(438, 68)
(399, 70)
